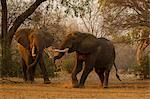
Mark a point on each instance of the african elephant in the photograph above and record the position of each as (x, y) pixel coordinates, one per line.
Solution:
(31, 45)
(97, 53)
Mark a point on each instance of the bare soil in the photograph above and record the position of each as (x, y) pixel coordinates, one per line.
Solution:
(61, 88)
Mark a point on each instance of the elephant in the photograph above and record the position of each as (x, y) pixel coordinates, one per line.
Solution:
(96, 53)
(31, 44)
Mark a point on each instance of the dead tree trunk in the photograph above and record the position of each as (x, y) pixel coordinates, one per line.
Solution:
(140, 54)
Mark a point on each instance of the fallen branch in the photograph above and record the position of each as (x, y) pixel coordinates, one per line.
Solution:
(4, 80)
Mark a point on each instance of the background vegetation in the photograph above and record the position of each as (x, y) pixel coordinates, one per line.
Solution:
(125, 22)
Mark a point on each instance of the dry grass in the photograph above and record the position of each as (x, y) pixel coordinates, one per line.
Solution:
(60, 88)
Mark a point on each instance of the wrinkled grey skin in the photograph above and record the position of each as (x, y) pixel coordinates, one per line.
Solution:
(96, 53)
(33, 41)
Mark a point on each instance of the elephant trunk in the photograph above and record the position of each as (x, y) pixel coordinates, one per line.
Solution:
(37, 58)
(60, 55)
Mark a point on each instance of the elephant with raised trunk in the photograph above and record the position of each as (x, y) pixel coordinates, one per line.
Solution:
(97, 53)
(31, 45)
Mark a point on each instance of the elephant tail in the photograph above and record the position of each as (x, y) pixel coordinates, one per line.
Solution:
(117, 72)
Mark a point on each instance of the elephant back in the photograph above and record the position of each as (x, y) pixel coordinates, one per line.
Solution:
(106, 44)
(88, 44)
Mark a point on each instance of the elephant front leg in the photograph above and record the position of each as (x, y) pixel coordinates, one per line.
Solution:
(84, 76)
(76, 70)
(44, 72)
(31, 70)
(24, 70)
(30, 74)
(89, 63)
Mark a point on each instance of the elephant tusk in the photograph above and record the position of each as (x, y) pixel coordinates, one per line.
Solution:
(33, 52)
(58, 50)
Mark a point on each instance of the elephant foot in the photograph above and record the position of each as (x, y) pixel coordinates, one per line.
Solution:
(81, 86)
(47, 81)
(78, 86)
(105, 86)
(75, 84)
(30, 79)
(25, 79)
(29, 82)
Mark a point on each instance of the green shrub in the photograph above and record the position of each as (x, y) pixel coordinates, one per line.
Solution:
(143, 70)
(16, 69)
(69, 63)
(145, 64)
(50, 66)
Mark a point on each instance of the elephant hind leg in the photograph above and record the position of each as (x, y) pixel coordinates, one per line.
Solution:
(106, 78)
(100, 73)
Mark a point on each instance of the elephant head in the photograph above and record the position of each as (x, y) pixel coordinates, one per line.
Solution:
(34, 40)
(79, 42)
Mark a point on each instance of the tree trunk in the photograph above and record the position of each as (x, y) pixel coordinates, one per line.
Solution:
(7, 35)
(21, 18)
(143, 44)
(140, 51)
(6, 53)
(6, 64)
(140, 55)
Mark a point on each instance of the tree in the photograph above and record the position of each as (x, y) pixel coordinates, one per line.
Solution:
(92, 19)
(124, 16)
(8, 32)
(87, 13)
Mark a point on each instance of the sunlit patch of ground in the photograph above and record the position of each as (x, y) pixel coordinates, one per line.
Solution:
(61, 88)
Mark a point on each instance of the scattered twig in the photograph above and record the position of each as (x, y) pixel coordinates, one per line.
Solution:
(3, 80)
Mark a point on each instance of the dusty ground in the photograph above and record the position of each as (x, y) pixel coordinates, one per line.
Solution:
(60, 88)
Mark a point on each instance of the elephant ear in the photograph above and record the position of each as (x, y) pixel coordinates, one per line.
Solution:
(88, 44)
(22, 37)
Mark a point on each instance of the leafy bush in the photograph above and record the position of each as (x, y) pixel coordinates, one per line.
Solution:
(50, 67)
(69, 63)
(145, 67)
(17, 71)
(143, 70)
